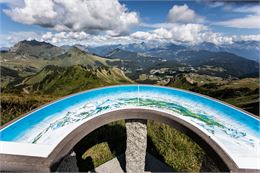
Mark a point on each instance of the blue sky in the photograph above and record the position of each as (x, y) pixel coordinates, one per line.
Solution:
(110, 21)
(156, 12)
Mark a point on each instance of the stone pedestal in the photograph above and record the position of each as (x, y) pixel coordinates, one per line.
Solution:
(136, 145)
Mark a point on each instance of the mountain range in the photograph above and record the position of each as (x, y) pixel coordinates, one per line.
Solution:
(247, 49)
(29, 57)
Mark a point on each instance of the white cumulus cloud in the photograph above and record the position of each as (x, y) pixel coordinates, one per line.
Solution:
(71, 38)
(64, 37)
(176, 33)
(185, 33)
(76, 15)
(190, 34)
(183, 14)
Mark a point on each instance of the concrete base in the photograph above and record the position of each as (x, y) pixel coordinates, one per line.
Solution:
(136, 132)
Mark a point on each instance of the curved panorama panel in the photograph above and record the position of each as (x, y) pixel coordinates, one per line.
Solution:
(38, 133)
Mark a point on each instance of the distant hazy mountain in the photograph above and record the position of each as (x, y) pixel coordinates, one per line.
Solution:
(133, 60)
(124, 54)
(247, 49)
(167, 51)
(143, 46)
(102, 50)
(230, 63)
(206, 46)
(66, 47)
(36, 49)
(79, 46)
(218, 63)
(159, 50)
(135, 47)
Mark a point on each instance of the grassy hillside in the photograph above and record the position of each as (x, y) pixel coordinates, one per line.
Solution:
(62, 81)
(28, 64)
(52, 82)
(76, 56)
(24, 64)
(14, 105)
(7, 75)
(243, 93)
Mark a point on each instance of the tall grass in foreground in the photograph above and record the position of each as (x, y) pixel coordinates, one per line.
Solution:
(13, 106)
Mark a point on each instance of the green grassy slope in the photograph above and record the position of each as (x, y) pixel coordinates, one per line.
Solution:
(61, 81)
(7, 75)
(243, 93)
(76, 56)
(14, 105)
(27, 64)
(73, 57)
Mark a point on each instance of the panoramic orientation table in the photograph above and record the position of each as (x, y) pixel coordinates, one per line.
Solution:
(46, 135)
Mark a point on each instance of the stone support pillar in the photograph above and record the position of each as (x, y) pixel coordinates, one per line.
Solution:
(136, 143)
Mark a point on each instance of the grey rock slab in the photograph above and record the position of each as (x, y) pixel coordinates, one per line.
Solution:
(136, 144)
